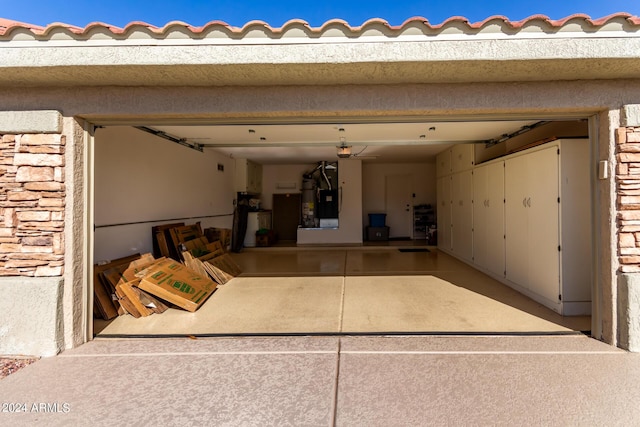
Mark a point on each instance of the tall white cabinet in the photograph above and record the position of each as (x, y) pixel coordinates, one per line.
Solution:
(530, 222)
(531, 218)
(462, 214)
(547, 222)
(455, 200)
(488, 217)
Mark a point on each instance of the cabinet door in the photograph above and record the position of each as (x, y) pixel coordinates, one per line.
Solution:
(462, 214)
(543, 223)
(516, 224)
(462, 157)
(444, 213)
(488, 217)
(480, 218)
(495, 219)
(443, 163)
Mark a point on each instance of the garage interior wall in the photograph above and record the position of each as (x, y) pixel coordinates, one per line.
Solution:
(275, 176)
(373, 184)
(142, 180)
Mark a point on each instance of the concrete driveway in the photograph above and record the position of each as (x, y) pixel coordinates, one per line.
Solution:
(329, 380)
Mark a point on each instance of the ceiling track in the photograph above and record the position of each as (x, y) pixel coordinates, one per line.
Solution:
(182, 141)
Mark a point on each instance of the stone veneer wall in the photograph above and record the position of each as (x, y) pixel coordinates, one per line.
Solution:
(32, 203)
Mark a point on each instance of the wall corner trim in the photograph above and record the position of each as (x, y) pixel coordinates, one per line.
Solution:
(630, 115)
(629, 311)
(42, 121)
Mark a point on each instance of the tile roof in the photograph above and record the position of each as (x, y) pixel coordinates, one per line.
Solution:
(501, 23)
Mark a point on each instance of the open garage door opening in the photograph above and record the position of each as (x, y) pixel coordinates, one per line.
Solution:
(352, 228)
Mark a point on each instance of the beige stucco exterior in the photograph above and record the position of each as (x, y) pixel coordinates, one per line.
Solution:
(179, 79)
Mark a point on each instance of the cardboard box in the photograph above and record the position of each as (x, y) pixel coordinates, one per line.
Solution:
(174, 282)
(222, 234)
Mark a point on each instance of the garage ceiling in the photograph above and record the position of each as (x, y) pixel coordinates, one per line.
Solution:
(309, 143)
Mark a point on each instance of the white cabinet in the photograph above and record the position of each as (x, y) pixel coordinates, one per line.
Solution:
(443, 213)
(458, 158)
(462, 157)
(462, 214)
(547, 223)
(532, 222)
(526, 220)
(443, 163)
(255, 222)
(454, 200)
(248, 178)
(488, 218)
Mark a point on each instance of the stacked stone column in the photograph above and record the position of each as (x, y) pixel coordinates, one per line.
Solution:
(32, 203)
(628, 194)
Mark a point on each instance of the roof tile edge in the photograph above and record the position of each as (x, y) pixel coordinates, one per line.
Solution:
(7, 26)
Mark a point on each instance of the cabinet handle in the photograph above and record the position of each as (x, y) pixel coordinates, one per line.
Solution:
(488, 203)
(524, 202)
(529, 202)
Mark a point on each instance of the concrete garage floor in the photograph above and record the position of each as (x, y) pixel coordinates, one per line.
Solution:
(353, 290)
(340, 380)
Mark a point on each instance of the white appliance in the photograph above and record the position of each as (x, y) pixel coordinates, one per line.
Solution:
(255, 222)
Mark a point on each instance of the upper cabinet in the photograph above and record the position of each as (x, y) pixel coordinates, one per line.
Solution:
(248, 177)
(462, 157)
(443, 163)
(458, 158)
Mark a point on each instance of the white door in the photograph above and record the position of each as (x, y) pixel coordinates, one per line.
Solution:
(462, 214)
(480, 216)
(516, 224)
(444, 213)
(495, 219)
(398, 202)
(543, 207)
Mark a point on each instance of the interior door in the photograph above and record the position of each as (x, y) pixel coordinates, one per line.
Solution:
(286, 215)
(398, 202)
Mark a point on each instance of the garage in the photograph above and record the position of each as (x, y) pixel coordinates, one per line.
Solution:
(102, 130)
(341, 279)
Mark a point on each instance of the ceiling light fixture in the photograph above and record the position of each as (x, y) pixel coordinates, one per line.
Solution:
(344, 151)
